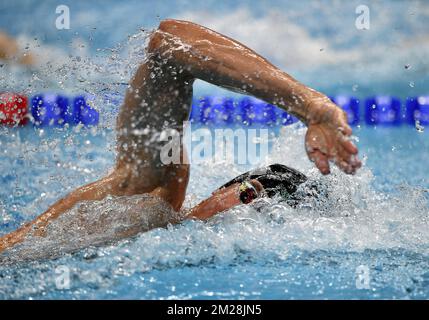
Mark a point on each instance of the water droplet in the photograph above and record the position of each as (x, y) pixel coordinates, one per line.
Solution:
(407, 66)
(419, 127)
(412, 84)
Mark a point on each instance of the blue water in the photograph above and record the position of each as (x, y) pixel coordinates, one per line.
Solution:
(377, 219)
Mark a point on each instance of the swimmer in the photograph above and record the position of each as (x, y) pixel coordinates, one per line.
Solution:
(159, 98)
(9, 51)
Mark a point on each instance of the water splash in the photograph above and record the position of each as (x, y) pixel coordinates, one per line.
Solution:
(94, 223)
(419, 127)
(74, 71)
(355, 218)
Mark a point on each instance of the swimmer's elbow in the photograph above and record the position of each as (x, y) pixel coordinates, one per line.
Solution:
(167, 26)
(172, 25)
(171, 28)
(158, 35)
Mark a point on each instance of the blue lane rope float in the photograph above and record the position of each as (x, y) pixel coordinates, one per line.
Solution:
(47, 110)
(383, 110)
(50, 109)
(246, 111)
(88, 116)
(254, 111)
(71, 111)
(286, 118)
(214, 111)
(417, 109)
(351, 106)
(58, 110)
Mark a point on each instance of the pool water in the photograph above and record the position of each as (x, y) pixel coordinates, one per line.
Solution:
(368, 240)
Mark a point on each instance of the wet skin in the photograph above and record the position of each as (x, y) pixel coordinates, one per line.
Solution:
(159, 98)
(9, 51)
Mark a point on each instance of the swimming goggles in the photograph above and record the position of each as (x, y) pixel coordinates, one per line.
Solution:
(248, 192)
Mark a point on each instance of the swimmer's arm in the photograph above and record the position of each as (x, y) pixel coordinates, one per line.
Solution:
(221, 200)
(212, 57)
(97, 190)
(220, 60)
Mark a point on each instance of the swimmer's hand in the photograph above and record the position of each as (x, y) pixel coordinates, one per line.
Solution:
(327, 138)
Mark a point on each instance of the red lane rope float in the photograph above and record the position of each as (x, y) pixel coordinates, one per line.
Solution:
(13, 109)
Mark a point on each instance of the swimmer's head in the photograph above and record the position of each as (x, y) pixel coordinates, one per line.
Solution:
(250, 190)
(274, 180)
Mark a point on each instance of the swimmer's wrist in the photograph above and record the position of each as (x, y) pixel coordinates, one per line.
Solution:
(304, 103)
(318, 108)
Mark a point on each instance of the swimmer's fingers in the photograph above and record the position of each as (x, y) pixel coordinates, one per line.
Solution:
(344, 133)
(346, 162)
(324, 144)
(346, 166)
(317, 150)
(348, 145)
(353, 162)
(346, 156)
(320, 160)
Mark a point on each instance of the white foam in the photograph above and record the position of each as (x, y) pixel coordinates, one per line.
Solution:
(354, 217)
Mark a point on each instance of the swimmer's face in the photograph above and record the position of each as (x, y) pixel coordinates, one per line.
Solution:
(250, 190)
(237, 193)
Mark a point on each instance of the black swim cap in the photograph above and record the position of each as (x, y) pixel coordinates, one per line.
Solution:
(277, 179)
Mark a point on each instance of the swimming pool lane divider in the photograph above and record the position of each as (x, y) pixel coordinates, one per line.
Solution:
(377, 110)
(47, 109)
(44, 110)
